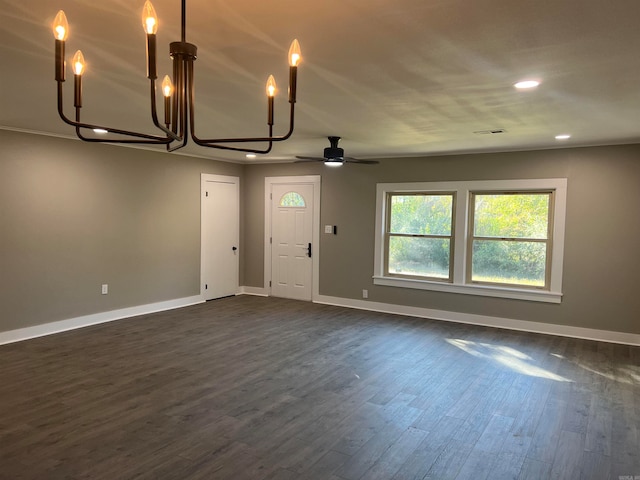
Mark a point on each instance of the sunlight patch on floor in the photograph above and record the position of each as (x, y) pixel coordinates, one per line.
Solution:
(628, 374)
(506, 356)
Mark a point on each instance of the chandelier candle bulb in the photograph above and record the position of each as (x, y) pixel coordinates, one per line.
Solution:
(60, 32)
(295, 57)
(271, 92)
(150, 26)
(167, 86)
(61, 26)
(271, 86)
(78, 66)
(149, 19)
(78, 63)
(167, 91)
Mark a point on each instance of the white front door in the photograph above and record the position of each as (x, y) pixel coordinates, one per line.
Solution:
(220, 236)
(292, 246)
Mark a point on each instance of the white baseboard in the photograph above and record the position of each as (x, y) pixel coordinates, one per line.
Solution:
(20, 334)
(258, 291)
(484, 320)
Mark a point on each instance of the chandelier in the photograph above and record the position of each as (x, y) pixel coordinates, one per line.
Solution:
(179, 102)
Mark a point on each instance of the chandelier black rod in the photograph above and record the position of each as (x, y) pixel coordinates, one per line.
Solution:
(183, 27)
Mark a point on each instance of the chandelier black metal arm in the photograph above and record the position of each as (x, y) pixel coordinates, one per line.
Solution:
(141, 138)
(216, 142)
(179, 97)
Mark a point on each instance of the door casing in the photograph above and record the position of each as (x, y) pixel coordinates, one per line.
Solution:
(315, 257)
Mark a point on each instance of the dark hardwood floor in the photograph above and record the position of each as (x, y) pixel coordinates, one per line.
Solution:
(266, 388)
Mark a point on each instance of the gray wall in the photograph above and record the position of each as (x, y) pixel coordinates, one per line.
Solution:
(601, 284)
(77, 215)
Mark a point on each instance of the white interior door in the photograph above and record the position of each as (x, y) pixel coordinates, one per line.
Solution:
(220, 236)
(292, 246)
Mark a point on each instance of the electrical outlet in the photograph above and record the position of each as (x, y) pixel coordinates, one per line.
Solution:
(105, 289)
(365, 293)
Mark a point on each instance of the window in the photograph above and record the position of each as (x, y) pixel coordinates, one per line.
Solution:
(419, 234)
(292, 199)
(510, 239)
(495, 238)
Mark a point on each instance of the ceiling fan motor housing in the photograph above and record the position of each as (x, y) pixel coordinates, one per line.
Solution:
(331, 152)
(334, 151)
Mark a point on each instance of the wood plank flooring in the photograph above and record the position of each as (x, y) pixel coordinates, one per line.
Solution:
(273, 389)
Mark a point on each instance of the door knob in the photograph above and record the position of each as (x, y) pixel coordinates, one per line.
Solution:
(234, 248)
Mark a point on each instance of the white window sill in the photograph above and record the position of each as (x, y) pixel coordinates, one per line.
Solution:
(482, 290)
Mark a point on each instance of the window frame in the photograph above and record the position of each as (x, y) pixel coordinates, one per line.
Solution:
(461, 232)
(388, 236)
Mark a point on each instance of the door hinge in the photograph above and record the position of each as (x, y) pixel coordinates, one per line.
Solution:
(269, 282)
(206, 287)
(270, 240)
(206, 194)
(271, 196)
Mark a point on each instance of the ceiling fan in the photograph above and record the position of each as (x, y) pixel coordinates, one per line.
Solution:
(334, 156)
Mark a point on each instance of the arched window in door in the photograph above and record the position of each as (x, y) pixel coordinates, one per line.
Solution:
(292, 199)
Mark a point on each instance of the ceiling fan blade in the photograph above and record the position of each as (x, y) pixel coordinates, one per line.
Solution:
(309, 159)
(357, 160)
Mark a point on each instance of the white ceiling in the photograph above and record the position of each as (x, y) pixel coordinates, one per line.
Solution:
(392, 78)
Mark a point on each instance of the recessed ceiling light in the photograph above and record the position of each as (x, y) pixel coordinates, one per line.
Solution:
(100, 131)
(525, 84)
(251, 155)
(564, 136)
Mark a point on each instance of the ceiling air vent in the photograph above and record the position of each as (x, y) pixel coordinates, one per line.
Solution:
(490, 132)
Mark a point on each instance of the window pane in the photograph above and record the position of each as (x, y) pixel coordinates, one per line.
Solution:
(522, 215)
(421, 214)
(427, 257)
(520, 263)
(292, 199)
